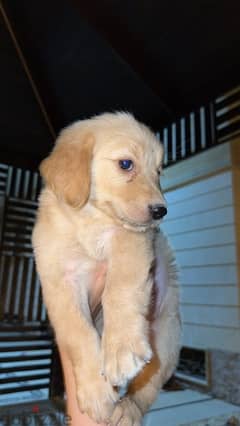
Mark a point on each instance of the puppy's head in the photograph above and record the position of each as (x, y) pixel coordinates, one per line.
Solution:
(125, 170)
(113, 162)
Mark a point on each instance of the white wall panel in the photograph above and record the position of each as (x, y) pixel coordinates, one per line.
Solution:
(206, 295)
(219, 316)
(208, 337)
(219, 235)
(204, 220)
(218, 255)
(209, 275)
(195, 189)
(201, 228)
(200, 204)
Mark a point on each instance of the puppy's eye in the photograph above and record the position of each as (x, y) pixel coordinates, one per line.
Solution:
(126, 164)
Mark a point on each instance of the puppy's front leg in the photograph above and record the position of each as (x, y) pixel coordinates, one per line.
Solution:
(125, 340)
(77, 337)
(143, 390)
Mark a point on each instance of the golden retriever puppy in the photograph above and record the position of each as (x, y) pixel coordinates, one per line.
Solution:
(101, 207)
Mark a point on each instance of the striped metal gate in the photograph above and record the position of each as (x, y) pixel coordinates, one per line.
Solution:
(214, 123)
(26, 343)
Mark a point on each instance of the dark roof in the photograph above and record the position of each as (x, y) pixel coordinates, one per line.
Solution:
(156, 59)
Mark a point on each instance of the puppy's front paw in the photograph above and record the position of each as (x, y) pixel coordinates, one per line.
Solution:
(126, 413)
(96, 397)
(124, 358)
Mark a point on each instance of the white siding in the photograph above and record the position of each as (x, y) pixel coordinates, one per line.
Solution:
(216, 275)
(201, 203)
(204, 294)
(219, 316)
(217, 255)
(201, 227)
(205, 219)
(206, 238)
(209, 337)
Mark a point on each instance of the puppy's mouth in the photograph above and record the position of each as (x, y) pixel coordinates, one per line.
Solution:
(150, 216)
(138, 219)
(135, 222)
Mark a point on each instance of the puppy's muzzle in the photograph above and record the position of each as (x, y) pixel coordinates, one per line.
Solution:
(157, 211)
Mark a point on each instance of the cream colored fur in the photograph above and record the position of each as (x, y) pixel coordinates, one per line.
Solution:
(94, 215)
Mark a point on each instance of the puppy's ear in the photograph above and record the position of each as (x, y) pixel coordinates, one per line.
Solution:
(67, 170)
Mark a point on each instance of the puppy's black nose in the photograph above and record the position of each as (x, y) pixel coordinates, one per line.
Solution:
(157, 211)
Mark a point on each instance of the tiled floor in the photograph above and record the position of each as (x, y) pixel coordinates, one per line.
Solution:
(190, 408)
(176, 408)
